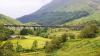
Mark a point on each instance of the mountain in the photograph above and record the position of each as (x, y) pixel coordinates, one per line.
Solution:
(60, 11)
(7, 20)
(93, 17)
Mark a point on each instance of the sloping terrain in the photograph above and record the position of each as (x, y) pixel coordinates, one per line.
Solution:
(7, 20)
(61, 11)
(95, 16)
(85, 47)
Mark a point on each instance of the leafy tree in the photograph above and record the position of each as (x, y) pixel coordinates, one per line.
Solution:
(89, 31)
(26, 31)
(41, 32)
(64, 37)
(5, 33)
(34, 45)
(19, 48)
(7, 49)
(55, 44)
(71, 35)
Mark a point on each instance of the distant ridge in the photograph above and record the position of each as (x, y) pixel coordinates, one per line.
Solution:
(8, 20)
(61, 11)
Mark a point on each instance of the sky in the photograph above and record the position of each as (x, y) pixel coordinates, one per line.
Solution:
(18, 8)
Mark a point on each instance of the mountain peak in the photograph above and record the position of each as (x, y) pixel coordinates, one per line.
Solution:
(60, 11)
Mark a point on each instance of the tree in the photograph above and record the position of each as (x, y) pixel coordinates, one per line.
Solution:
(89, 31)
(19, 48)
(71, 36)
(26, 31)
(7, 49)
(5, 33)
(55, 44)
(34, 45)
(64, 37)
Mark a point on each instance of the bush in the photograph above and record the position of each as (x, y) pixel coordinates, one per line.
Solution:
(89, 31)
(34, 45)
(5, 33)
(19, 47)
(64, 37)
(26, 31)
(71, 35)
(55, 44)
(7, 49)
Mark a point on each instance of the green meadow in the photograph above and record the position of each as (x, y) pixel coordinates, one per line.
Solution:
(27, 43)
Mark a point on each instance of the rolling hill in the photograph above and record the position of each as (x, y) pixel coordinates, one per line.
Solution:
(86, 47)
(7, 20)
(61, 11)
(93, 17)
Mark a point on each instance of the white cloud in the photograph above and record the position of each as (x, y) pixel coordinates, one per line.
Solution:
(17, 8)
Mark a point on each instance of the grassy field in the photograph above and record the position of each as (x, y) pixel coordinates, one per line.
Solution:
(82, 47)
(75, 47)
(27, 43)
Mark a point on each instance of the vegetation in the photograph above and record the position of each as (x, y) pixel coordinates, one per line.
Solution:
(18, 47)
(7, 49)
(34, 45)
(81, 21)
(5, 33)
(55, 44)
(89, 31)
(8, 20)
(26, 32)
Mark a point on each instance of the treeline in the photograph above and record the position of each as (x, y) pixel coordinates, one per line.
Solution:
(35, 31)
(5, 33)
(90, 30)
(7, 49)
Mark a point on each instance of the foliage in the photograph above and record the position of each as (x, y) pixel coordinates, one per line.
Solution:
(5, 33)
(95, 18)
(26, 32)
(71, 35)
(19, 48)
(34, 45)
(7, 49)
(55, 18)
(41, 32)
(55, 44)
(89, 31)
(8, 20)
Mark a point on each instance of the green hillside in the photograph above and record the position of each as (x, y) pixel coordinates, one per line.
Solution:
(83, 20)
(7, 20)
(85, 47)
(61, 11)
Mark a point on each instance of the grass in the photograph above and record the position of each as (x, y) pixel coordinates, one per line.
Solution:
(27, 43)
(84, 47)
(83, 20)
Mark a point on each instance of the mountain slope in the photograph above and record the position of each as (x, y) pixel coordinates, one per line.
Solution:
(93, 17)
(61, 11)
(7, 20)
(85, 47)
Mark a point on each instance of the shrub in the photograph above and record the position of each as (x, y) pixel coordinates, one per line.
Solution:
(64, 37)
(26, 31)
(71, 35)
(5, 33)
(89, 31)
(7, 49)
(34, 45)
(18, 47)
(55, 44)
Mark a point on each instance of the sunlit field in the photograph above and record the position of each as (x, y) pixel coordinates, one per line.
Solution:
(27, 43)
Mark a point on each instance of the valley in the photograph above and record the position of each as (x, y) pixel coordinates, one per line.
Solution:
(60, 28)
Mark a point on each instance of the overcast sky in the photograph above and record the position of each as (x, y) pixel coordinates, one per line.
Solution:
(18, 8)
